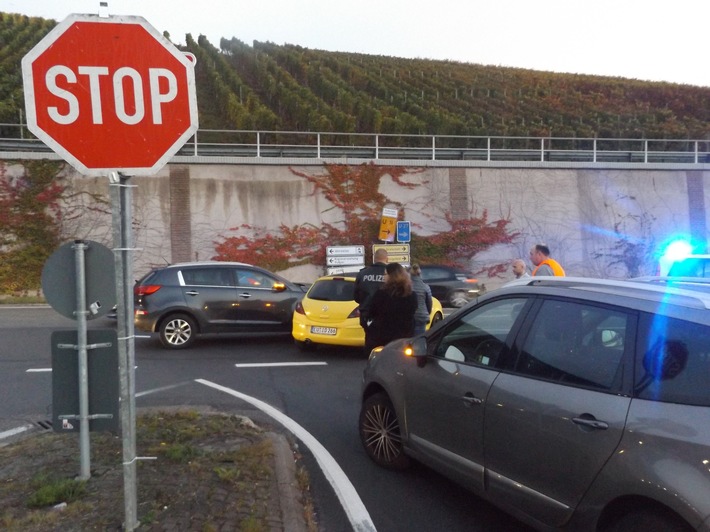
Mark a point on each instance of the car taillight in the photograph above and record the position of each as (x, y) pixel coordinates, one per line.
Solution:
(145, 290)
(355, 313)
(299, 308)
(471, 280)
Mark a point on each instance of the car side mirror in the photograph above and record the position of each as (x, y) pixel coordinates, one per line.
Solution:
(278, 287)
(417, 349)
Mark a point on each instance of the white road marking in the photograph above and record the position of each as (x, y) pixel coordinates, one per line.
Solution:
(349, 499)
(45, 370)
(279, 364)
(161, 389)
(13, 432)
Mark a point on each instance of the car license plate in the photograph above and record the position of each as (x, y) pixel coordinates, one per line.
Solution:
(324, 330)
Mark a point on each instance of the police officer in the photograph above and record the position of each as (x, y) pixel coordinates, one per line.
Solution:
(368, 281)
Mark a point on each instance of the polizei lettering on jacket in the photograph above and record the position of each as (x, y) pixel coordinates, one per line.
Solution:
(374, 278)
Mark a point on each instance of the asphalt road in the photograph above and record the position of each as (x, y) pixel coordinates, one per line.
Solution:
(320, 393)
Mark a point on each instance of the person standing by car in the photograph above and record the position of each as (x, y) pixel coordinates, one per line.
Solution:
(424, 302)
(367, 282)
(392, 309)
(520, 269)
(544, 264)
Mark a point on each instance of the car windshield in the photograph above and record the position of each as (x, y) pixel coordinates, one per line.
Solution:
(332, 290)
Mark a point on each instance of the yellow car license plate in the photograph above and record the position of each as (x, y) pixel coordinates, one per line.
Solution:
(323, 330)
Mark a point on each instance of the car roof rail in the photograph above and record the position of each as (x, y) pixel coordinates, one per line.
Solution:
(640, 289)
(208, 263)
(672, 279)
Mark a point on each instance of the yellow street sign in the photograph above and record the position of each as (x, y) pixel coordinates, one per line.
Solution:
(392, 248)
(402, 259)
(388, 229)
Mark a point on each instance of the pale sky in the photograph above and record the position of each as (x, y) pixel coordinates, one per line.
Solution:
(656, 40)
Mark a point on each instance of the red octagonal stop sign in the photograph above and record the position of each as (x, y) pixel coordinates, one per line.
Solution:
(110, 93)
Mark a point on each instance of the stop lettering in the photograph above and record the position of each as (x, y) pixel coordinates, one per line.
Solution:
(110, 94)
(131, 111)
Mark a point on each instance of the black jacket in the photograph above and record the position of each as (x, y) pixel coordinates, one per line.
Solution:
(392, 317)
(368, 281)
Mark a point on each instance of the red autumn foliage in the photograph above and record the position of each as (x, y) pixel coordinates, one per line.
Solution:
(29, 209)
(354, 190)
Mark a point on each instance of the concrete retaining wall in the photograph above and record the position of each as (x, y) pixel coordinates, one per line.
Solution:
(586, 216)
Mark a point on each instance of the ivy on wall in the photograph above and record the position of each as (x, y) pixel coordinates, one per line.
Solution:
(355, 192)
(29, 232)
(39, 210)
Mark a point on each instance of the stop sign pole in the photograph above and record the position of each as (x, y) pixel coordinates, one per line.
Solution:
(115, 98)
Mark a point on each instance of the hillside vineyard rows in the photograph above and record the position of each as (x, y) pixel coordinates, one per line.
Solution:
(273, 87)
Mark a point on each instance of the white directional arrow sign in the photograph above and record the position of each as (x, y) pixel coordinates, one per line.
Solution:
(344, 261)
(344, 251)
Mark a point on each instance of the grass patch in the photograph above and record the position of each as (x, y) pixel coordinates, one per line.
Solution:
(51, 491)
(209, 469)
(180, 452)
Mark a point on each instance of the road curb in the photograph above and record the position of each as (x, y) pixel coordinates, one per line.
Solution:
(289, 492)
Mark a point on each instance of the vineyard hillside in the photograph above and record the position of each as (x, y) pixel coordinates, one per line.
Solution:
(266, 86)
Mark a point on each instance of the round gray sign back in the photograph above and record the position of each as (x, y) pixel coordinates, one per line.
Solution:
(59, 282)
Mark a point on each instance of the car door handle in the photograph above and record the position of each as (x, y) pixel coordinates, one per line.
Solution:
(245, 295)
(192, 293)
(471, 399)
(591, 423)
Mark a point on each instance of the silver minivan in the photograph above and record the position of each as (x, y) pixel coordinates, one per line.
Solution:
(574, 404)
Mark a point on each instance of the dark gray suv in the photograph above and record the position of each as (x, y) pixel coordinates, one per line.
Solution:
(454, 287)
(183, 300)
(571, 403)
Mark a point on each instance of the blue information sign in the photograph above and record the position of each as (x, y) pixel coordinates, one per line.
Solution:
(404, 231)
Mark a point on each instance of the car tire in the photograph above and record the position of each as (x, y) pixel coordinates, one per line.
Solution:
(177, 331)
(380, 433)
(437, 317)
(648, 520)
(457, 299)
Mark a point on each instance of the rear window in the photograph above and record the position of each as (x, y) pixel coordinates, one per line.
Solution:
(432, 273)
(148, 278)
(673, 361)
(333, 290)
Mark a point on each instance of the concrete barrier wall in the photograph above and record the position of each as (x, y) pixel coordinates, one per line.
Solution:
(593, 220)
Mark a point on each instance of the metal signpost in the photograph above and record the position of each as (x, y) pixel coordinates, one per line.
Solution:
(83, 296)
(113, 97)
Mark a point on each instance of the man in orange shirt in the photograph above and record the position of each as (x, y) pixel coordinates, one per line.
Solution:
(544, 265)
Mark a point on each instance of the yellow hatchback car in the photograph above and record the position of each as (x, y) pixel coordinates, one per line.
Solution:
(328, 314)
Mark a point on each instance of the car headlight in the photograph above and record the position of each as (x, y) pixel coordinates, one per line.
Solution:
(373, 354)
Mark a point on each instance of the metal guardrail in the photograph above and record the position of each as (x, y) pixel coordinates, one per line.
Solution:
(327, 145)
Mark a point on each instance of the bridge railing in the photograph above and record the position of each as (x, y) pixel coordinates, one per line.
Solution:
(331, 145)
